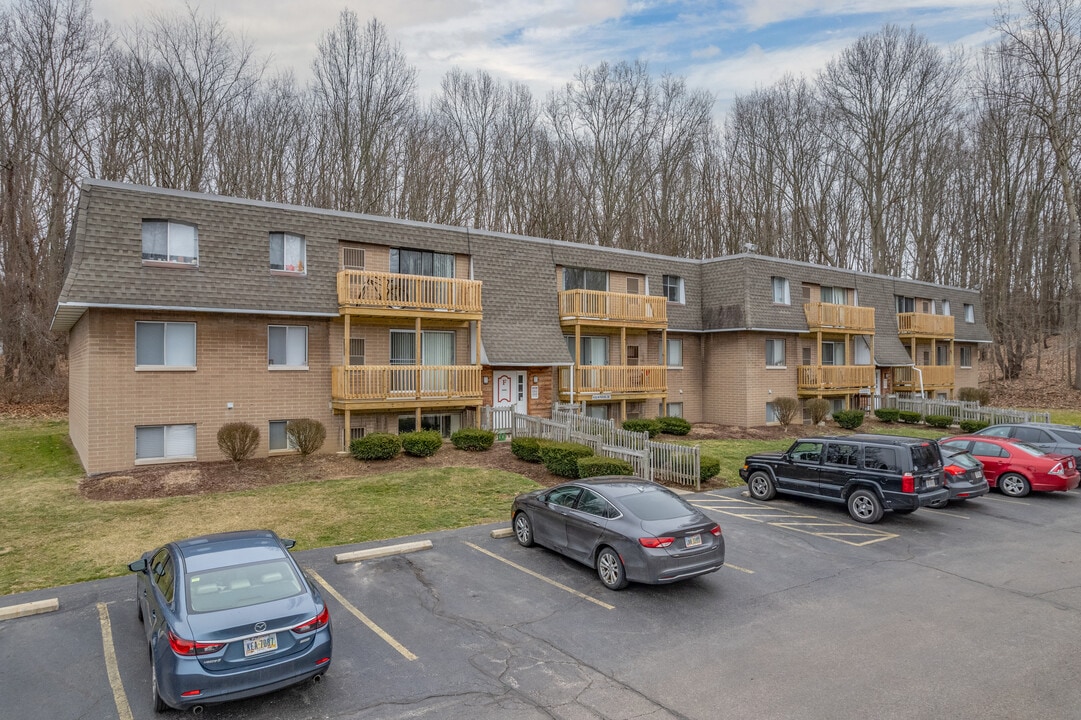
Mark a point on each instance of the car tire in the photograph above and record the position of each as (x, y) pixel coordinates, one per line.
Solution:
(864, 506)
(761, 485)
(1014, 485)
(159, 704)
(523, 530)
(610, 569)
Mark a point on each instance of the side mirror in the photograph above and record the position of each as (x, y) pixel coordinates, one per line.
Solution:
(786, 457)
(288, 543)
(138, 565)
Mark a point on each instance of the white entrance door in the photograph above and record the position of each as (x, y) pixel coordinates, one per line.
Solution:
(510, 391)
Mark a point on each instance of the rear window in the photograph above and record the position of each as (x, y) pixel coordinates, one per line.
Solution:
(963, 459)
(1030, 449)
(925, 457)
(655, 505)
(242, 585)
(1070, 436)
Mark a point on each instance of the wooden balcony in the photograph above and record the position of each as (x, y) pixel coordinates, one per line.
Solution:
(935, 377)
(618, 381)
(593, 307)
(834, 379)
(925, 325)
(839, 318)
(405, 386)
(362, 292)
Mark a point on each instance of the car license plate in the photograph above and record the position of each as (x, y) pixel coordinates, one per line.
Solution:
(694, 540)
(932, 482)
(979, 475)
(260, 644)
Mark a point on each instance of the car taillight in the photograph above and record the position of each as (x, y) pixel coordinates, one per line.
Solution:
(1057, 470)
(656, 542)
(190, 648)
(315, 623)
(715, 530)
(908, 483)
(954, 470)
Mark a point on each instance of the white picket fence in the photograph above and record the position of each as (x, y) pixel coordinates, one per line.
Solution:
(964, 410)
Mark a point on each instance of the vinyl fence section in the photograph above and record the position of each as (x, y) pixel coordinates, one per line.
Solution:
(499, 420)
(557, 406)
(965, 410)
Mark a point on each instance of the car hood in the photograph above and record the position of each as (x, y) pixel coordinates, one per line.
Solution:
(766, 456)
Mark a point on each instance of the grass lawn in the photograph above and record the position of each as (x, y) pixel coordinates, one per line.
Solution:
(53, 536)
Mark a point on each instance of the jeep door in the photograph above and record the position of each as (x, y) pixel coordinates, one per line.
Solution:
(800, 473)
(840, 465)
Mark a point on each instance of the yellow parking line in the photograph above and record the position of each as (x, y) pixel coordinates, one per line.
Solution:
(737, 567)
(529, 572)
(363, 618)
(111, 666)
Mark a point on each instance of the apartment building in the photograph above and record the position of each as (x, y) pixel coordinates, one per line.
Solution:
(186, 311)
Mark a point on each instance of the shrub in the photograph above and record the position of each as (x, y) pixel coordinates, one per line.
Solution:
(785, 409)
(238, 440)
(708, 467)
(819, 408)
(650, 426)
(974, 394)
(598, 466)
(526, 448)
(910, 417)
(422, 443)
(848, 419)
(971, 426)
(307, 435)
(473, 439)
(673, 425)
(561, 458)
(938, 421)
(376, 446)
(887, 415)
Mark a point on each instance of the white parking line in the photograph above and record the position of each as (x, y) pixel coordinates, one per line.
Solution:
(1008, 501)
(949, 513)
(402, 650)
(111, 666)
(550, 581)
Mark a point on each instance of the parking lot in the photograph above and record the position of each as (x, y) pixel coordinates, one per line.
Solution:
(969, 612)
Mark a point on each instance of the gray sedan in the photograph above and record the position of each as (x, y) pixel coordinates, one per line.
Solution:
(628, 529)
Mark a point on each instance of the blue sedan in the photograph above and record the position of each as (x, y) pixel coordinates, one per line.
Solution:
(229, 616)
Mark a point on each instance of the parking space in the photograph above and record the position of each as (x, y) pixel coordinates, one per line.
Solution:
(479, 627)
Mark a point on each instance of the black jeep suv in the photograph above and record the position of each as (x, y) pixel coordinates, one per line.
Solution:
(869, 473)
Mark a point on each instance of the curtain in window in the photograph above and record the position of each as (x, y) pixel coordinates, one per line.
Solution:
(833, 353)
(286, 252)
(781, 294)
(437, 348)
(288, 345)
(155, 240)
(403, 348)
(775, 353)
(149, 442)
(179, 441)
(585, 279)
(180, 344)
(149, 343)
(675, 353)
(279, 439)
(421, 262)
(182, 242)
(164, 441)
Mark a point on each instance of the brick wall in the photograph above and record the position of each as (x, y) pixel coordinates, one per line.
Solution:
(79, 386)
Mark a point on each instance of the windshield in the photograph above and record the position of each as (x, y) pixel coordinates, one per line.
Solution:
(241, 585)
(655, 505)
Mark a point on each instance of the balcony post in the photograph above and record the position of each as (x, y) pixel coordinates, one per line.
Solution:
(345, 345)
(348, 430)
(419, 348)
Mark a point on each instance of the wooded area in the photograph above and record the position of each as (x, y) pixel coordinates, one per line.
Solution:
(899, 157)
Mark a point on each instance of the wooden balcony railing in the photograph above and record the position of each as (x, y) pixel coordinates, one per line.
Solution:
(616, 379)
(368, 289)
(383, 383)
(614, 308)
(915, 324)
(934, 376)
(841, 317)
(835, 377)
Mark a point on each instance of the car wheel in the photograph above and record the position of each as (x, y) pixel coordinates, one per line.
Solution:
(761, 486)
(864, 506)
(159, 704)
(610, 569)
(1014, 485)
(523, 530)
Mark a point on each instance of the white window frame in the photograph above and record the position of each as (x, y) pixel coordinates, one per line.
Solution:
(946, 307)
(962, 351)
(290, 446)
(970, 313)
(772, 343)
(175, 331)
(674, 409)
(290, 330)
(173, 227)
(782, 293)
(673, 342)
(300, 253)
(667, 286)
(178, 443)
(771, 413)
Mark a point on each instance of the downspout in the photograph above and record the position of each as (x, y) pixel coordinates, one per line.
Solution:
(920, 373)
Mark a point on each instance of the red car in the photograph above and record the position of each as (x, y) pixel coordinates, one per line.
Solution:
(1017, 468)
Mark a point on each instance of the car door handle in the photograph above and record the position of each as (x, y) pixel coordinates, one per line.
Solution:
(594, 523)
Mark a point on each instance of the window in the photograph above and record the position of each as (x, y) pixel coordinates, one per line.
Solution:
(970, 313)
(986, 449)
(833, 353)
(287, 346)
(946, 307)
(775, 353)
(171, 242)
(594, 349)
(674, 410)
(906, 304)
(564, 497)
(833, 295)
(673, 288)
(445, 425)
(880, 458)
(842, 454)
(674, 356)
(591, 503)
(356, 351)
(279, 436)
(165, 344)
(632, 354)
(421, 262)
(942, 355)
(966, 356)
(585, 279)
(165, 442)
(597, 411)
(287, 252)
(632, 286)
(781, 294)
(163, 575)
(771, 413)
(1032, 435)
(352, 258)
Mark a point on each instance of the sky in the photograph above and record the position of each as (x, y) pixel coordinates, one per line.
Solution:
(727, 48)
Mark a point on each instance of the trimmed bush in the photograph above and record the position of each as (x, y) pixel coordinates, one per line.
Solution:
(650, 426)
(708, 467)
(238, 440)
(376, 446)
(938, 421)
(561, 458)
(306, 434)
(888, 415)
(673, 425)
(974, 394)
(910, 417)
(422, 443)
(971, 426)
(526, 448)
(819, 408)
(597, 466)
(785, 409)
(473, 439)
(848, 419)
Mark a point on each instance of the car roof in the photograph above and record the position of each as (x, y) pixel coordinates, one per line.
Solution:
(867, 437)
(232, 548)
(619, 485)
(1045, 426)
